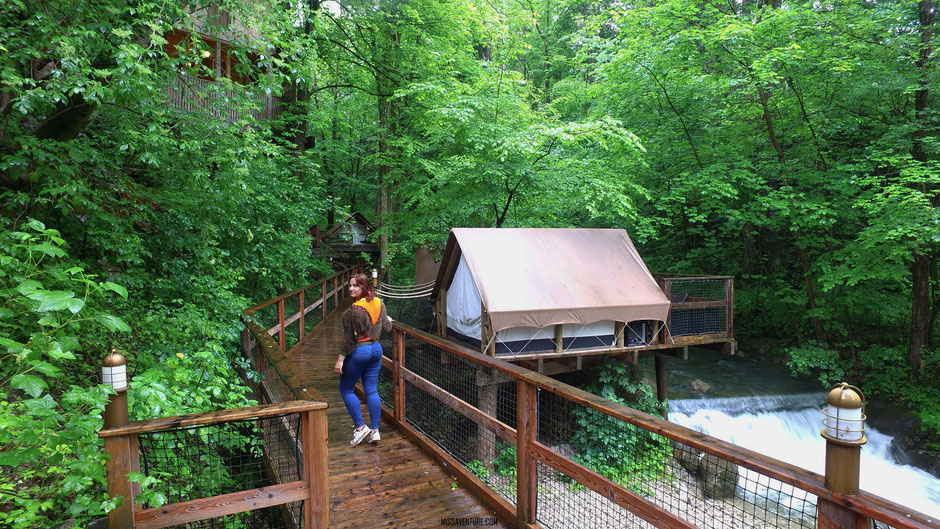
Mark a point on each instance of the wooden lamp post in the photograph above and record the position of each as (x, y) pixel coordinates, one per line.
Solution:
(845, 434)
(114, 374)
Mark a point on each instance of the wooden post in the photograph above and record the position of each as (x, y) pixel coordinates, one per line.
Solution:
(729, 307)
(559, 339)
(842, 470)
(335, 292)
(527, 469)
(442, 313)
(620, 331)
(398, 386)
(300, 321)
(316, 472)
(281, 335)
(116, 469)
(662, 390)
(323, 301)
(667, 290)
(487, 336)
(120, 463)
(487, 392)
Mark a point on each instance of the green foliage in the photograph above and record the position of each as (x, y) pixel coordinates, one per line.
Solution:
(479, 469)
(49, 449)
(623, 453)
(814, 359)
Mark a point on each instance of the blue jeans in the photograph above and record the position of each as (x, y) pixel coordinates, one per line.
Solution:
(365, 362)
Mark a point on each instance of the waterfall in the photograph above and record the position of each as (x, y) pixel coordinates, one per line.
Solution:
(787, 428)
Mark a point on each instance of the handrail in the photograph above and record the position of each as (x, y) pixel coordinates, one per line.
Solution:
(212, 417)
(286, 295)
(530, 452)
(325, 293)
(280, 381)
(306, 435)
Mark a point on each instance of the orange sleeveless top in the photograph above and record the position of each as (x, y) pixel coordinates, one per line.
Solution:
(374, 308)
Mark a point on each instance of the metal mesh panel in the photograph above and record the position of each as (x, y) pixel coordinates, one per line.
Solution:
(291, 329)
(700, 488)
(274, 387)
(312, 319)
(205, 461)
(330, 303)
(701, 320)
(416, 312)
(266, 316)
(478, 447)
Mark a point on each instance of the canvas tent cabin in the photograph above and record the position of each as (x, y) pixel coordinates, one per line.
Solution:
(516, 291)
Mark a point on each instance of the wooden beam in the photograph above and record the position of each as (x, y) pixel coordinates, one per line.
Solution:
(225, 504)
(273, 300)
(633, 502)
(116, 470)
(281, 334)
(527, 481)
(398, 386)
(213, 417)
(316, 469)
(559, 339)
(504, 431)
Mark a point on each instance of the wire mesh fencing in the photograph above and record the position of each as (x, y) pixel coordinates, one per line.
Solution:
(415, 312)
(212, 460)
(699, 305)
(701, 488)
(485, 443)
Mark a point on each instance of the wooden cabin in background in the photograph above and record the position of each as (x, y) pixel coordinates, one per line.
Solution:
(195, 86)
(345, 241)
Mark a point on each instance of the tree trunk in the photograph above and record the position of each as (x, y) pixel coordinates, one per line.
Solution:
(920, 267)
(381, 195)
(920, 311)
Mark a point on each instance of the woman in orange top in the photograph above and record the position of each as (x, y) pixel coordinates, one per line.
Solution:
(362, 324)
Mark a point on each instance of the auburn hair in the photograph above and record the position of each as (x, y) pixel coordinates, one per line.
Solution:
(364, 284)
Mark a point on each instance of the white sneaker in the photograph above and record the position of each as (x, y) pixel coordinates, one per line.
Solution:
(359, 435)
(374, 436)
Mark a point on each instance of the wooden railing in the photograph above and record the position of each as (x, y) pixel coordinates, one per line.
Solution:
(303, 481)
(702, 307)
(190, 93)
(534, 414)
(329, 293)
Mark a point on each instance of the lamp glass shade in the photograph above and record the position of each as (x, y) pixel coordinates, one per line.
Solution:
(846, 424)
(115, 376)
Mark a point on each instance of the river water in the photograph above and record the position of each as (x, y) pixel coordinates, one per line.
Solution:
(759, 406)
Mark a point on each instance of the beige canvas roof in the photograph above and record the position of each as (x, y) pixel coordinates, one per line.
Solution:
(536, 277)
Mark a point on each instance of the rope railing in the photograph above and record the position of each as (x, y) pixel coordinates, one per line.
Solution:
(543, 452)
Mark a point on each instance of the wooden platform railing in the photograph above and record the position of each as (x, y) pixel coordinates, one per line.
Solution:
(702, 309)
(326, 295)
(308, 484)
(279, 381)
(533, 448)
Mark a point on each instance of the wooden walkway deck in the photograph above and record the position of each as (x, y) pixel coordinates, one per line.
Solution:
(394, 484)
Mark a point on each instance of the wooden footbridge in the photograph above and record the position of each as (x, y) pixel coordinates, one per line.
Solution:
(467, 440)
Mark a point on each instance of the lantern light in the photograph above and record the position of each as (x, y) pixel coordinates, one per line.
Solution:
(375, 274)
(845, 415)
(114, 371)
